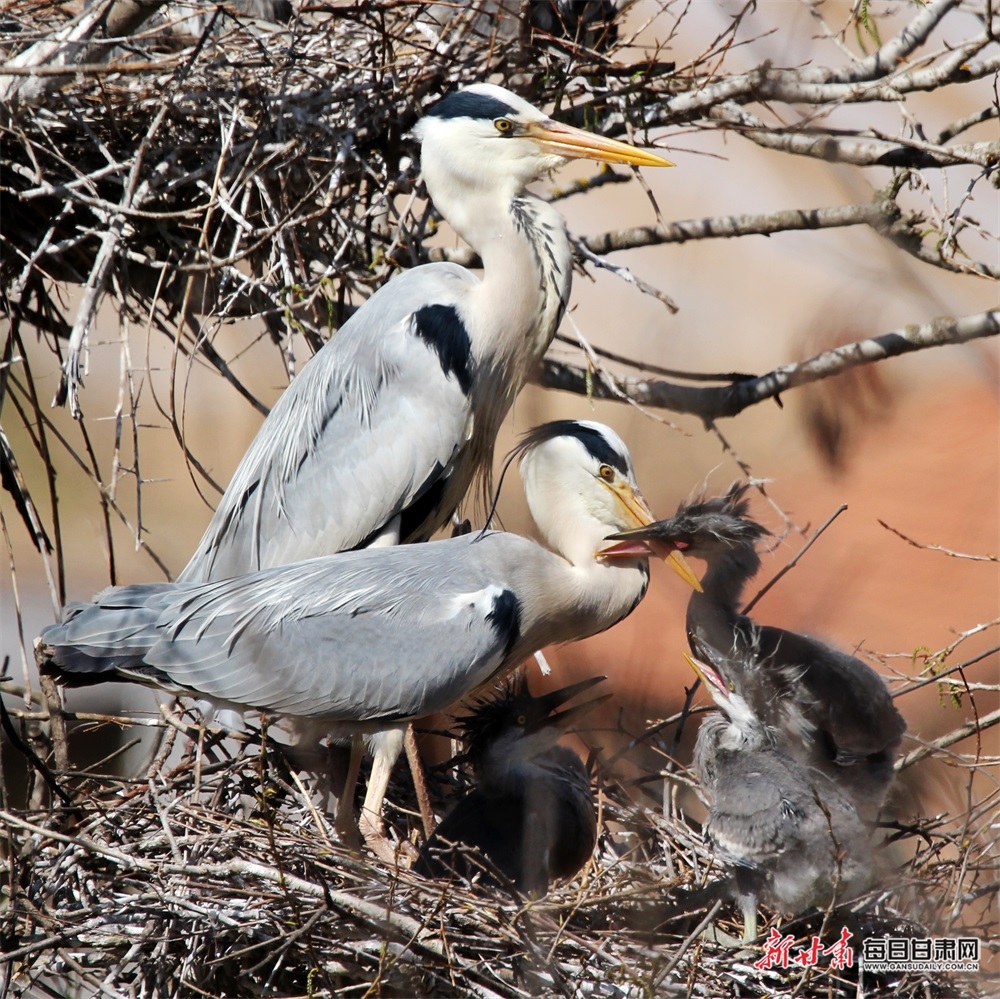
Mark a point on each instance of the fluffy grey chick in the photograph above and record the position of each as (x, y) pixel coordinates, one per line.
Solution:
(787, 832)
(833, 710)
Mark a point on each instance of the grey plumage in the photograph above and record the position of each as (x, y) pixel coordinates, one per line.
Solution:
(786, 831)
(364, 640)
(834, 711)
(369, 428)
(379, 438)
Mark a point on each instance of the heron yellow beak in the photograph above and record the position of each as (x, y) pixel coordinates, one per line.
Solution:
(636, 510)
(576, 144)
(707, 675)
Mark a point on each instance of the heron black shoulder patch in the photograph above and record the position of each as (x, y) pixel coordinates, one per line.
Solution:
(463, 104)
(506, 618)
(441, 327)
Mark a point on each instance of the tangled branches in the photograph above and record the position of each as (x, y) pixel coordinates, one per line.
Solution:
(215, 873)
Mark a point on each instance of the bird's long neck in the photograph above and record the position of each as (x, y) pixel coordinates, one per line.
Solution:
(713, 614)
(527, 272)
(580, 597)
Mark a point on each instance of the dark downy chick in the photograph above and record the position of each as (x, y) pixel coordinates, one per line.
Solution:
(834, 711)
(787, 832)
(532, 813)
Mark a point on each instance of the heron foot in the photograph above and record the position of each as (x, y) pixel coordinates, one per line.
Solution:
(394, 854)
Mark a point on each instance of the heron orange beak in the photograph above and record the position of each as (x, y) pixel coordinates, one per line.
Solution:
(629, 543)
(577, 144)
(637, 511)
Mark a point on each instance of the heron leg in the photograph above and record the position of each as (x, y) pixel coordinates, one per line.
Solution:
(748, 903)
(387, 745)
(345, 825)
(419, 783)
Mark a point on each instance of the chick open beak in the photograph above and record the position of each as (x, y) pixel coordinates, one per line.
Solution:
(575, 144)
(547, 703)
(638, 541)
(709, 677)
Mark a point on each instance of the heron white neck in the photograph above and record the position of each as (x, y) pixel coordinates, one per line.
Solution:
(527, 265)
(580, 596)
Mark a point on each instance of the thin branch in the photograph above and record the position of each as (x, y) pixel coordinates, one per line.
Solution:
(938, 548)
(795, 559)
(713, 403)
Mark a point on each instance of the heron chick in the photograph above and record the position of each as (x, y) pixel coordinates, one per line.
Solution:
(532, 812)
(364, 641)
(834, 711)
(788, 833)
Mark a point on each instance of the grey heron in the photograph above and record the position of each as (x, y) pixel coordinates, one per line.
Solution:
(787, 831)
(364, 641)
(532, 812)
(834, 710)
(379, 437)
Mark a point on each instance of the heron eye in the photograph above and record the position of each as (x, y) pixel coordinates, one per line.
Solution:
(522, 719)
(607, 473)
(503, 125)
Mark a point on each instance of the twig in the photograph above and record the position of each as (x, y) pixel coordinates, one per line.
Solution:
(938, 548)
(795, 559)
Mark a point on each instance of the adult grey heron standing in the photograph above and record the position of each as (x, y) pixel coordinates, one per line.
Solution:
(364, 641)
(532, 812)
(834, 710)
(787, 831)
(379, 438)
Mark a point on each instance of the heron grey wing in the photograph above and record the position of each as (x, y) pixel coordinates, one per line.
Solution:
(372, 426)
(357, 637)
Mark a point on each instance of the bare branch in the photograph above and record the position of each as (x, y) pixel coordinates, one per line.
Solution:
(713, 403)
(28, 77)
(938, 548)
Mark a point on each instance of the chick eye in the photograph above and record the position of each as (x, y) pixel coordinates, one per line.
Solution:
(607, 473)
(732, 687)
(503, 125)
(522, 719)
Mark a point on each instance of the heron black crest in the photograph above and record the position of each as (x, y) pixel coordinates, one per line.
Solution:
(588, 434)
(469, 104)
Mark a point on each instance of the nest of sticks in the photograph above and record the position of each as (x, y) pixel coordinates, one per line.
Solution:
(249, 170)
(216, 872)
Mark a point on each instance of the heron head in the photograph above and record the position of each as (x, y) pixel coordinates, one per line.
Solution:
(578, 472)
(706, 529)
(728, 692)
(510, 731)
(581, 487)
(486, 135)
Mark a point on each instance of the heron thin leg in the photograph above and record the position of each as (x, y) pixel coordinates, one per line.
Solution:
(748, 903)
(387, 746)
(419, 783)
(345, 824)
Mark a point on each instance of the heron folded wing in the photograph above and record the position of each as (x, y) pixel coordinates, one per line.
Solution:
(337, 459)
